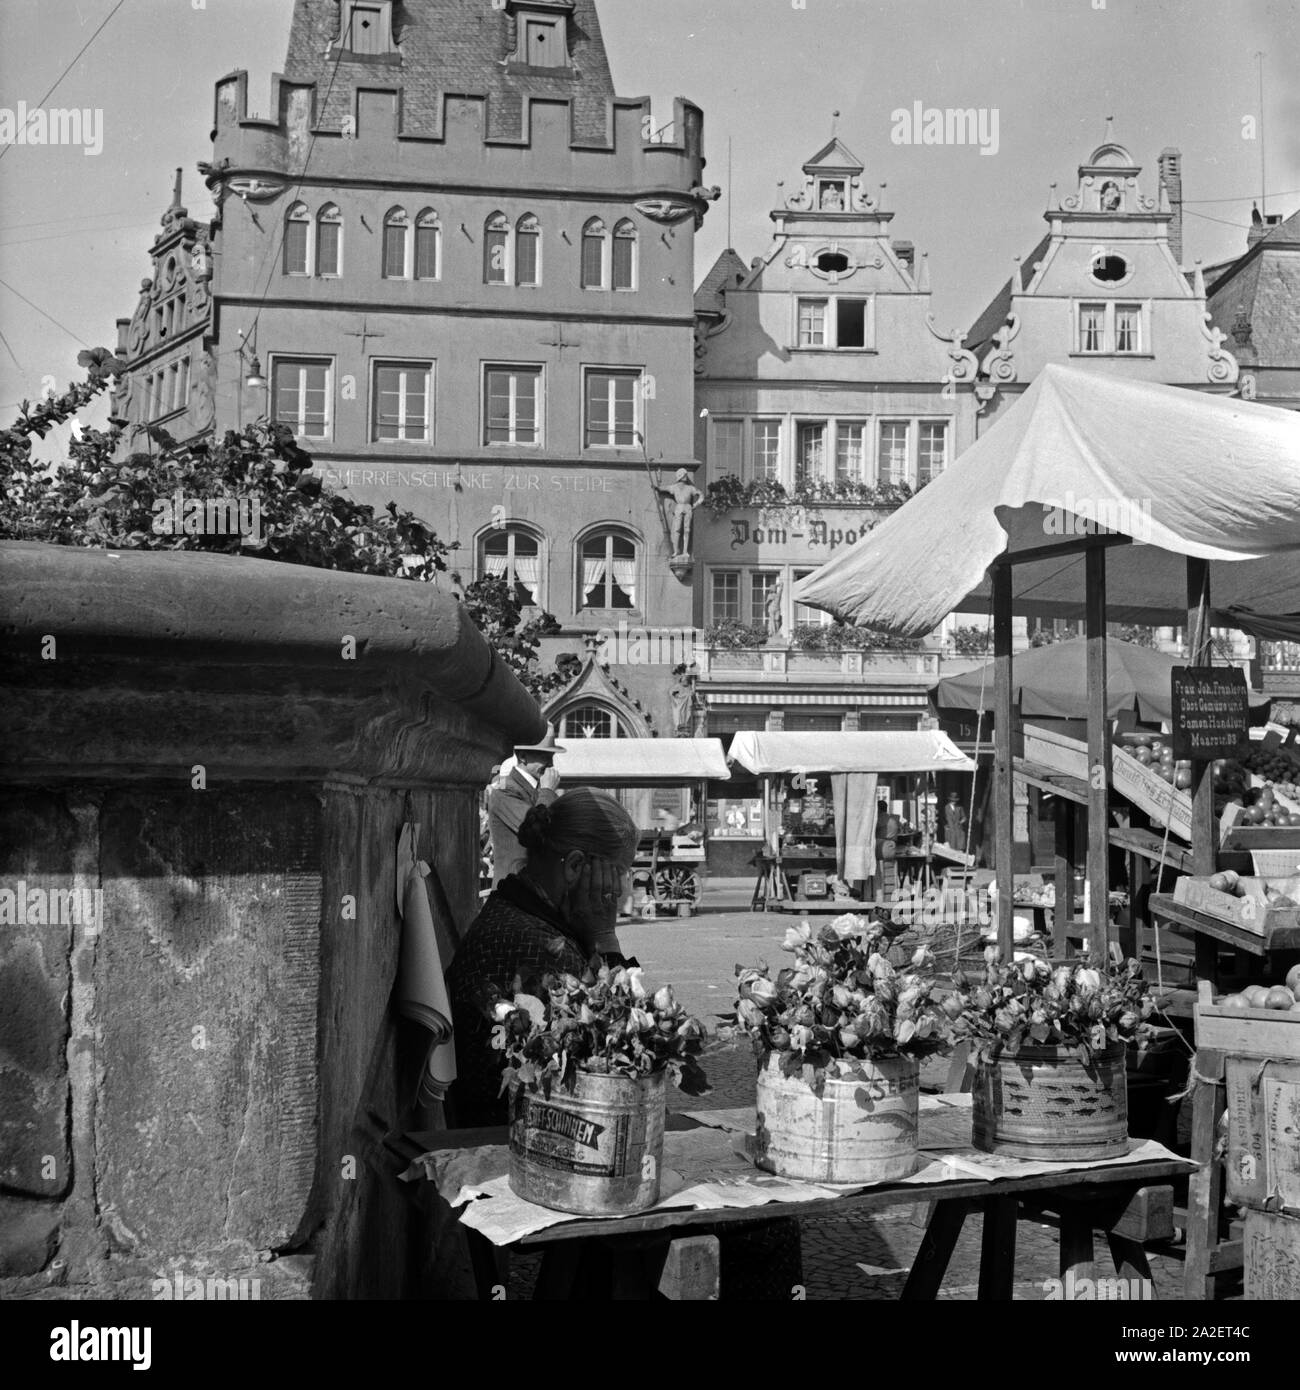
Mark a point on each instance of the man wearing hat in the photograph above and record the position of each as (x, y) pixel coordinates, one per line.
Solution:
(686, 497)
(532, 782)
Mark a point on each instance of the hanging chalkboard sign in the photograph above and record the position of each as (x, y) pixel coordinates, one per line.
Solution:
(1211, 712)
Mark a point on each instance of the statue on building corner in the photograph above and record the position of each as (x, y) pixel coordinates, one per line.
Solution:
(685, 497)
(684, 699)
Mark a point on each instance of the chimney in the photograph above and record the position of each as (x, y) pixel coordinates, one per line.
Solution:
(1260, 226)
(1171, 180)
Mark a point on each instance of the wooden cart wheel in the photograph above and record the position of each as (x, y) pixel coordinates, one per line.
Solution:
(677, 885)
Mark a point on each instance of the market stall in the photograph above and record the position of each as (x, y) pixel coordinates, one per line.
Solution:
(1175, 508)
(669, 872)
(811, 837)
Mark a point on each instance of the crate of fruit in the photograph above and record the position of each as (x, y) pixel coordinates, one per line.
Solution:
(1256, 905)
(1255, 1022)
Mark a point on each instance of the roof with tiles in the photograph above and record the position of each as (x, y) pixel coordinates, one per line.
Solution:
(999, 308)
(728, 272)
(454, 46)
(1261, 291)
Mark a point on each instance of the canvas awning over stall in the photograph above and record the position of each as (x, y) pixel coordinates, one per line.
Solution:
(641, 762)
(1180, 472)
(924, 750)
(1052, 682)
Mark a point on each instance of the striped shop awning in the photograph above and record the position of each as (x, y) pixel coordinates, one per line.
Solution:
(720, 700)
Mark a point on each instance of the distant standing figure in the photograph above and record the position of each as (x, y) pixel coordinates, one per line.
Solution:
(533, 782)
(954, 823)
(686, 497)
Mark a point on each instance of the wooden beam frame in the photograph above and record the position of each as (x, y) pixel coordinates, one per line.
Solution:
(1004, 797)
(1098, 756)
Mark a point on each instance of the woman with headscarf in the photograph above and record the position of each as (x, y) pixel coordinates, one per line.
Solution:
(554, 914)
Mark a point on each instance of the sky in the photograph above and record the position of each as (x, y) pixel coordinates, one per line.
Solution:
(769, 75)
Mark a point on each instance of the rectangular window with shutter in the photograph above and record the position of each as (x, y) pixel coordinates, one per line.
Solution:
(612, 409)
(767, 449)
(725, 595)
(892, 459)
(512, 405)
(932, 454)
(728, 455)
(401, 401)
(300, 395)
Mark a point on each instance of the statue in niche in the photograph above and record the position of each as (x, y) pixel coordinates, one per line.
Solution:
(773, 607)
(832, 199)
(1110, 196)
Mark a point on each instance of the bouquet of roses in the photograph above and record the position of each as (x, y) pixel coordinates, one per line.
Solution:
(607, 1022)
(1033, 1003)
(841, 999)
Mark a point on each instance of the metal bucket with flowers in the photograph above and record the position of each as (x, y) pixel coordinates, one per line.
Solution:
(587, 1067)
(839, 1035)
(1050, 1052)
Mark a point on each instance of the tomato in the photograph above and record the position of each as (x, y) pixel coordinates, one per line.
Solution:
(1183, 778)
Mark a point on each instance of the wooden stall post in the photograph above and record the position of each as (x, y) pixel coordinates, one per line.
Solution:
(1098, 754)
(1004, 799)
(1205, 835)
(1062, 876)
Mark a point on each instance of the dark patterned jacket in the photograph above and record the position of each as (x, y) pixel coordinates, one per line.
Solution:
(517, 933)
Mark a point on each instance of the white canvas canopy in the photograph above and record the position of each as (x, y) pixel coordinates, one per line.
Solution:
(1181, 472)
(627, 762)
(924, 750)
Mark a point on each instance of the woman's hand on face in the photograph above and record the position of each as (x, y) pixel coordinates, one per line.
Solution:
(595, 899)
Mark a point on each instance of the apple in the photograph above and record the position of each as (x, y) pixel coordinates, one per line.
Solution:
(1233, 1001)
(1293, 980)
(1255, 996)
(1183, 778)
(1143, 754)
(1279, 997)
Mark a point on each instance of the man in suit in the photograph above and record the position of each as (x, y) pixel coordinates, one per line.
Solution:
(532, 781)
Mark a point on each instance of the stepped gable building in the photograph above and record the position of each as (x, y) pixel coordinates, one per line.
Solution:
(461, 268)
(826, 393)
(1104, 289)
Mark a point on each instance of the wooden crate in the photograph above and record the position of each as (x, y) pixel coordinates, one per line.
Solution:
(1250, 914)
(1271, 1251)
(1263, 1163)
(1161, 800)
(1056, 751)
(1261, 1033)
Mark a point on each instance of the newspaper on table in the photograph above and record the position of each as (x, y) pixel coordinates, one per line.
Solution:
(712, 1168)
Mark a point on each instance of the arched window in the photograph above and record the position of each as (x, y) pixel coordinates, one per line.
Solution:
(593, 255)
(625, 256)
(514, 554)
(397, 226)
(607, 571)
(329, 241)
(528, 251)
(496, 250)
(297, 235)
(428, 248)
(590, 721)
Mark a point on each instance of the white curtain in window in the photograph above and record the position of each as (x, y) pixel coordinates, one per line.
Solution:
(593, 574)
(495, 565)
(625, 578)
(527, 573)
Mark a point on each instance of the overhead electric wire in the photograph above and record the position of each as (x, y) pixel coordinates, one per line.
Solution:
(50, 92)
(62, 326)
